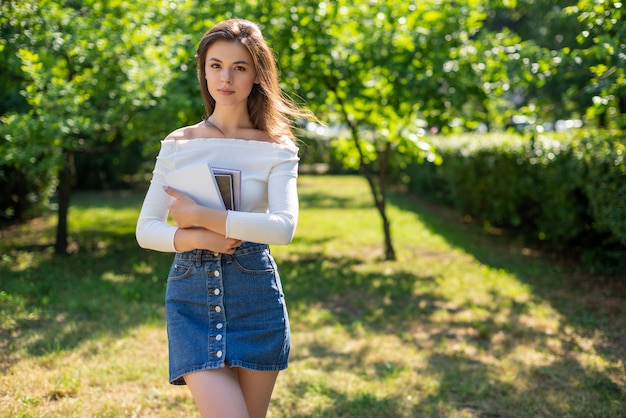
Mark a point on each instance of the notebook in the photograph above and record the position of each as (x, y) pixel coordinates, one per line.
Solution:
(229, 184)
(197, 182)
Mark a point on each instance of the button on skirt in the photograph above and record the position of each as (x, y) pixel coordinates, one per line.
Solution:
(225, 310)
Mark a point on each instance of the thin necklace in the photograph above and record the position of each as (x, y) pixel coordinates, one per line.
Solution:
(208, 122)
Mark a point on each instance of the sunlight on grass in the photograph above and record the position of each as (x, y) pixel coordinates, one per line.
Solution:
(119, 278)
(459, 326)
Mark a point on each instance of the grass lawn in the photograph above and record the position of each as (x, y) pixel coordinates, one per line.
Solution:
(467, 323)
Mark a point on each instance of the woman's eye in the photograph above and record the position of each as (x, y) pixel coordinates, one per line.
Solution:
(215, 66)
(239, 68)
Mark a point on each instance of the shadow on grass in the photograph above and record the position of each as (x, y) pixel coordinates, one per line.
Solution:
(387, 305)
(593, 304)
(111, 286)
(358, 406)
(590, 307)
(107, 286)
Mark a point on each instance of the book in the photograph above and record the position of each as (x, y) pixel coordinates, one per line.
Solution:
(198, 182)
(225, 186)
(229, 184)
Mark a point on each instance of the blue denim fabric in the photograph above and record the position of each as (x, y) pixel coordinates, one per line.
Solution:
(226, 310)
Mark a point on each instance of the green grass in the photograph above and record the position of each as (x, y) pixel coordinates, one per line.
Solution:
(467, 322)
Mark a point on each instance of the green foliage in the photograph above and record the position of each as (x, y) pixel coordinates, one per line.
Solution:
(604, 157)
(28, 167)
(93, 76)
(107, 80)
(603, 37)
(566, 192)
(327, 153)
(547, 75)
(381, 66)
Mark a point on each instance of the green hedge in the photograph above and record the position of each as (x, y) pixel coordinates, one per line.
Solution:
(27, 168)
(323, 154)
(568, 191)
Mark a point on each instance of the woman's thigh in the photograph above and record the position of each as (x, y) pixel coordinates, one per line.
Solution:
(217, 393)
(257, 388)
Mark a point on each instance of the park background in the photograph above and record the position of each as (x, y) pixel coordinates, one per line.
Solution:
(462, 239)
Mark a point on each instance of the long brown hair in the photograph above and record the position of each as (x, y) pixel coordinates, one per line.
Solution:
(269, 109)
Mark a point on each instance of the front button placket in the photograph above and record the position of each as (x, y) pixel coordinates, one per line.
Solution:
(217, 314)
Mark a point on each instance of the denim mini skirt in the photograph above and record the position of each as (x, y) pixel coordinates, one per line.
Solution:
(226, 310)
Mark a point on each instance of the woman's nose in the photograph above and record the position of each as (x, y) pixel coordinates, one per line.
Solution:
(226, 76)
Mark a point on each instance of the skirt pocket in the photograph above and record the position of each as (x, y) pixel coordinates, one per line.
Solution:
(180, 269)
(256, 262)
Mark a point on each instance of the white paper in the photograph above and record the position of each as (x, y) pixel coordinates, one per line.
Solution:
(198, 183)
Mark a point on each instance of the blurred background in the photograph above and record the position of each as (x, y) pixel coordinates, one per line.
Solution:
(511, 111)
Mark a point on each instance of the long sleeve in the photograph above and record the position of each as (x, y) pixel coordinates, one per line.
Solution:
(153, 232)
(278, 224)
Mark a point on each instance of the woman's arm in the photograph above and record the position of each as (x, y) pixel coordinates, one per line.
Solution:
(276, 226)
(153, 231)
(187, 239)
(187, 213)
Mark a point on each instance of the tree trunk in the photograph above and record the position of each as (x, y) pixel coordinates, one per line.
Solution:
(602, 119)
(64, 192)
(390, 253)
(383, 157)
(379, 192)
(378, 189)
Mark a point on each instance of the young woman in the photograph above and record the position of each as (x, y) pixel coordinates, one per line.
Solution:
(228, 330)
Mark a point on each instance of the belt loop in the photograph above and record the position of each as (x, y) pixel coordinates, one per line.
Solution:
(198, 258)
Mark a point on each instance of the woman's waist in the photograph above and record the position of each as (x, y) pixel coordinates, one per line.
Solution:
(245, 248)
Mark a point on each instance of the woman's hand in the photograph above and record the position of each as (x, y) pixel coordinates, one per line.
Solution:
(187, 239)
(183, 209)
(225, 245)
(192, 233)
(188, 214)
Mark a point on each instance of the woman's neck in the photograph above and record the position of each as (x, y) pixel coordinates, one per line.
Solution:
(230, 121)
(233, 123)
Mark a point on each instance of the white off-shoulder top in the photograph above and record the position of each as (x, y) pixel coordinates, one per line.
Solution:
(269, 199)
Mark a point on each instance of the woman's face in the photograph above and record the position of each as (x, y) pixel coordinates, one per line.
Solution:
(230, 73)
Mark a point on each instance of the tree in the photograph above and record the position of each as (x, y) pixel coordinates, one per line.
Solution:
(549, 76)
(603, 46)
(27, 160)
(378, 68)
(98, 78)
(93, 70)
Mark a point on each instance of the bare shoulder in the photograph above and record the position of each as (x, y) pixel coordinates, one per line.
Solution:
(199, 130)
(204, 130)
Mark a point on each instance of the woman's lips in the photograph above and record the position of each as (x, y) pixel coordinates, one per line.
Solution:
(225, 92)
